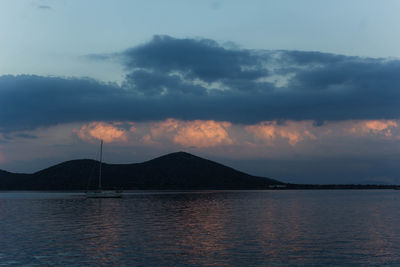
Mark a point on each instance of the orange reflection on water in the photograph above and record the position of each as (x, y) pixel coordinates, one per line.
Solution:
(201, 223)
(102, 234)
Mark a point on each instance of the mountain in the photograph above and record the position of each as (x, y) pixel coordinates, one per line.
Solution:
(173, 171)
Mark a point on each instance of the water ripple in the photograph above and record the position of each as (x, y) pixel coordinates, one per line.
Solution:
(208, 228)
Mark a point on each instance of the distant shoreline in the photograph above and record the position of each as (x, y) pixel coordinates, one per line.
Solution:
(174, 171)
(289, 187)
(340, 186)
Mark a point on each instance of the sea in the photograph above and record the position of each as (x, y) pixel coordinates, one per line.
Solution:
(202, 228)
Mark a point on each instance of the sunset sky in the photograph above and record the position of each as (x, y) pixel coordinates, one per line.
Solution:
(300, 91)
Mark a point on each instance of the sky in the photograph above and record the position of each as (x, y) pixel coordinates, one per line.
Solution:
(301, 91)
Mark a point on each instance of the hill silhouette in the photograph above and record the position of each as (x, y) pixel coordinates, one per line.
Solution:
(178, 170)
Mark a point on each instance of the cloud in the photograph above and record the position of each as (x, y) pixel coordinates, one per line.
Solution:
(374, 127)
(271, 135)
(200, 79)
(2, 158)
(108, 132)
(210, 133)
(156, 84)
(102, 57)
(381, 126)
(25, 136)
(197, 134)
(44, 7)
(200, 134)
(288, 150)
(195, 58)
(16, 135)
(203, 134)
(294, 132)
(264, 130)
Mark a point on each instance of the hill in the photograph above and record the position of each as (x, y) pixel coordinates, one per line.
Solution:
(173, 171)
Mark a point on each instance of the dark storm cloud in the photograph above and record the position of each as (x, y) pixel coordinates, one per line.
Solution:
(27, 101)
(351, 73)
(203, 59)
(310, 57)
(158, 83)
(200, 79)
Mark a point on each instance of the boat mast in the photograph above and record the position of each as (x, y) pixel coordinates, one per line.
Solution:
(101, 158)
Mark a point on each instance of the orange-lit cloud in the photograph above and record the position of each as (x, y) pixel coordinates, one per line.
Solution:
(264, 130)
(108, 132)
(147, 140)
(203, 134)
(293, 136)
(210, 133)
(164, 128)
(374, 127)
(196, 133)
(294, 132)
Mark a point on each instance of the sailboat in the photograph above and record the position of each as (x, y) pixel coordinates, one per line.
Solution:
(99, 192)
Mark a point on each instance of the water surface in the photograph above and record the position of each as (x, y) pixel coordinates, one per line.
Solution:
(206, 228)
